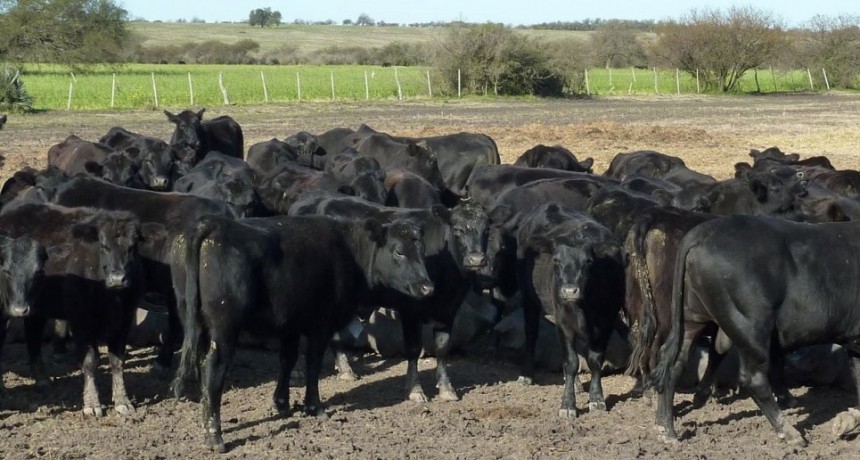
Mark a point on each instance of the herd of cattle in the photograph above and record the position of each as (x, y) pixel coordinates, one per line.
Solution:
(297, 237)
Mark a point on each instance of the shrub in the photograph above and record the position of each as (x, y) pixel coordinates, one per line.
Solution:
(13, 95)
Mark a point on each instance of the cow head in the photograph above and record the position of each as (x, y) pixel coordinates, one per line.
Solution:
(116, 236)
(398, 257)
(501, 247)
(572, 264)
(116, 169)
(156, 162)
(778, 189)
(22, 262)
(470, 226)
(305, 145)
(189, 129)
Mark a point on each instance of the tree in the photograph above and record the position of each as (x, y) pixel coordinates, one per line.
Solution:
(721, 46)
(615, 45)
(264, 17)
(64, 31)
(364, 20)
(347, 22)
(833, 44)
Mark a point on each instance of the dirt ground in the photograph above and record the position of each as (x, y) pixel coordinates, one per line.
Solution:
(496, 417)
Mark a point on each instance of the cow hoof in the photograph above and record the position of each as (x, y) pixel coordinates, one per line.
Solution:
(418, 396)
(95, 411)
(792, 437)
(597, 406)
(281, 408)
(525, 380)
(567, 413)
(124, 409)
(845, 422)
(448, 395)
(347, 376)
(666, 436)
(215, 443)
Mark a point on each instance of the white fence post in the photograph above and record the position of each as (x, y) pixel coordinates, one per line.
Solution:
(332, 85)
(610, 79)
(190, 90)
(429, 88)
(399, 89)
(366, 87)
(698, 88)
(656, 88)
(809, 74)
(678, 81)
(633, 72)
(587, 87)
(154, 89)
(223, 89)
(459, 87)
(113, 91)
(826, 81)
(265, 90)
(299, 86)
(71, 91)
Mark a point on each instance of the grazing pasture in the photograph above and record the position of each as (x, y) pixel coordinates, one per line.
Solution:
(496, 416)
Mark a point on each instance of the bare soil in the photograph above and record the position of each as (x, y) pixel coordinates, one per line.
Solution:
(497, 417)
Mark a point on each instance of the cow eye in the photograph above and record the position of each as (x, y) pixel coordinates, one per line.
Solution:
(398, 253)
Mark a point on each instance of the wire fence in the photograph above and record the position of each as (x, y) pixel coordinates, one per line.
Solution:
(153, 86)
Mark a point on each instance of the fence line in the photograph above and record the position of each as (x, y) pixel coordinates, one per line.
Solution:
(117, 89)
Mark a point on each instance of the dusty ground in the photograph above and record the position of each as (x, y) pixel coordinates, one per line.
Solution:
(496, 418)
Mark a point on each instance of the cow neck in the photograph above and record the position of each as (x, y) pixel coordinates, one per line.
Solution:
(364, 251)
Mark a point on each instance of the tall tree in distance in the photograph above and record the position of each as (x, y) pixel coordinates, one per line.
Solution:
(63, 31)
(264, 17)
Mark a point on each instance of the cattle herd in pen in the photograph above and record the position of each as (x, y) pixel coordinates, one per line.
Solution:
(297, 237)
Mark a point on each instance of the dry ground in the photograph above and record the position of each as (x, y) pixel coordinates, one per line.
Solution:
(497, 418)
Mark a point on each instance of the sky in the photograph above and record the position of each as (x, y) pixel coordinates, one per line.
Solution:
(793, 12)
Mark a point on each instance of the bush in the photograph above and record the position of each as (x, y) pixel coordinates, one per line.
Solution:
(13, 95)
(833, 44)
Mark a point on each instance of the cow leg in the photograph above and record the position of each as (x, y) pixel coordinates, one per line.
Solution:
(342, 367)
(4, 323)
(570, 364)
(164, 359)
(60, 336)
(116, 357)
(705, 388)
(665, 421)
(89, 365)
(754, 377)
(596, 402)
(289, 354)
(531, 320)
(412, 341)
(33, 329)
(442, 344)
(848, 421)
(313, 365)
(214, 370)
(777, 377)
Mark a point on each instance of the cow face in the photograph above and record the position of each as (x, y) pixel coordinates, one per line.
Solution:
(305, 145)
(370, 186)
(778, 188)
(189, 129)
(470, 227)
(241, 198)
(116, 169)
(116, 239)
(398, 259)
(571, 266)
(156, 165)
(22, 262)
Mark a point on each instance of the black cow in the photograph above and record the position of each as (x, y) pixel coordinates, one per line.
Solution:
(224, 179)
(616, 208)
(296, 275)
(267, 156)
(93, 279)
(487, 183)
(306, 147)
(407, 190)
(642, 162)
(164, 216)
(3, 121)
(570, 269)
(396, 154)
(555, 157)
(331, 143)
(220, 134)
(72, 154)
(772, 192)
(454, 242)
(770, 286)
(153, 158)
(22, 263)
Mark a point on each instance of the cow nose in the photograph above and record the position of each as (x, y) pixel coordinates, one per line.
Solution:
(426, 290)
(116, 280)
(18, 310)
(569, 293)
(159, 182)
(475, 260)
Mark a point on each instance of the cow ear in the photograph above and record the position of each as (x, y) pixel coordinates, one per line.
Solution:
(94, 168)
(171, 117)
(412, 149)
(759, 189)
(346, 190)
(200, 113)
(587, 164)
(319, 152)
(85, 232)
(441, 212)
(742, 169)
(376, 230)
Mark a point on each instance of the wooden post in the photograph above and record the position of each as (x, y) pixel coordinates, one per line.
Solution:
(299, 86)
(113, 91)
(610, 77)
(633, 72)
(678, 81)
(429, 88)
(223, 89)
(265, 90)
(69, 102)
(587, 87)
(190, 90)
(154, 89)
(698, 88)
(826, 81)
(459, 87)
(656, 88)
(755, 76)
(630, 88)
(399, 89)
(332, 85)
(809, 74)
(366, 86)
(773, 77)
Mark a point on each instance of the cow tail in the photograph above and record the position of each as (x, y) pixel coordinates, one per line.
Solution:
(644, 341)
(193, 333)
(672, 346)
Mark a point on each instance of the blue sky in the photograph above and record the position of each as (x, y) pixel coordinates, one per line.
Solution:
(793, 12)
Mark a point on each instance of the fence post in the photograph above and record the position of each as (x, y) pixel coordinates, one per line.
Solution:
(332, 85)
(265, 90)
(366, 87)
(809, 74)
(826, 81)
(610, 79)
(190, 90)
(698, 88)
(113, 91)
(678, 81)
(399, 89)
(656, 88)
(299, 86)
(459, 88)
(71, 89)
(630, 88)
(587, 87)
(154, 89)
(633, 72)
(429, 88)
(223, 89)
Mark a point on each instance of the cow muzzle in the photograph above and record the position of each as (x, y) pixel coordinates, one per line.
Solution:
(116, 280)
(159, 183)
(426, 290)
(17, 310)
(474, 260)
(569, 293)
